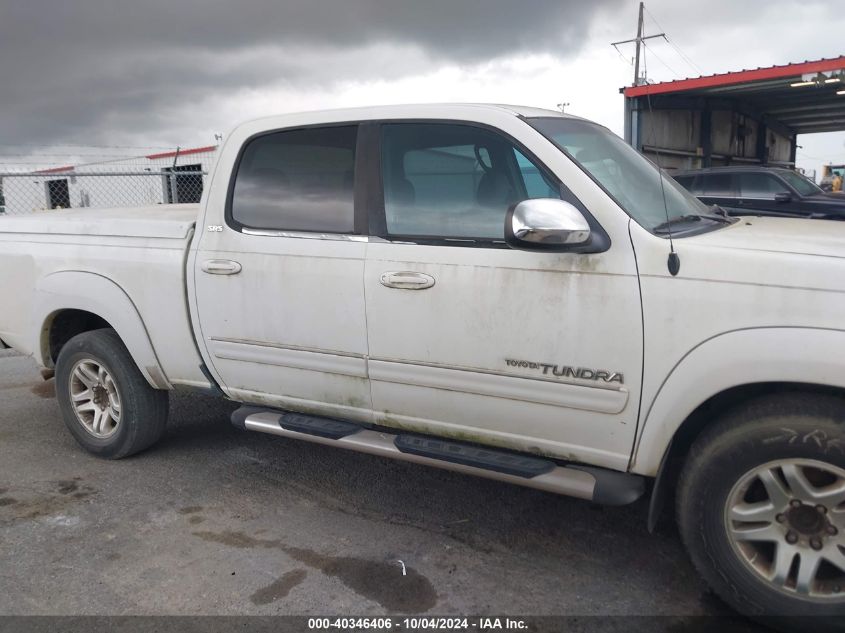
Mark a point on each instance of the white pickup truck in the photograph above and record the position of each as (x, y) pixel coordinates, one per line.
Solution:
(503, 291)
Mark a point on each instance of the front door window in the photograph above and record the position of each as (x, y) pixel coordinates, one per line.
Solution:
(452, 181)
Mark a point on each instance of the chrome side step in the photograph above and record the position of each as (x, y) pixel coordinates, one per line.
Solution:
(584, 482)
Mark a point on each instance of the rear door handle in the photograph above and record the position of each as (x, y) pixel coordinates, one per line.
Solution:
(407, 280)
(221, 267)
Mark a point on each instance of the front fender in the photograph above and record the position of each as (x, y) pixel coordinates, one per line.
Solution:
(733, 359)
(77, 290)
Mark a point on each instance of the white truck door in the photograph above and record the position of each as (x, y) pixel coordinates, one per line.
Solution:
(469, 338)
(279, 285)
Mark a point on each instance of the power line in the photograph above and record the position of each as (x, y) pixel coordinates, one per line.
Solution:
(684, 56)
(677, 48)
(658, 58)
(624, 59)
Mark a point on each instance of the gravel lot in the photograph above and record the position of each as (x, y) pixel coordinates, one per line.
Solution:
(215, 520)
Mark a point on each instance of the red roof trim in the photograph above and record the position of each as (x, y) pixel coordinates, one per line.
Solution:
(183, 152)
(56, 170)
(742, 76)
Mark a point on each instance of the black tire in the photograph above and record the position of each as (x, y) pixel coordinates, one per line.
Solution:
(143, 410)
(789, 426)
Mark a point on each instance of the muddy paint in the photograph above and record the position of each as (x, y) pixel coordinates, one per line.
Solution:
(190, 510)
(389, 419)
(380, 581)
(279, 588)
(355, 408)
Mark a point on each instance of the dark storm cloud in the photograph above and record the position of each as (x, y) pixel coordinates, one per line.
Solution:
(81, 70)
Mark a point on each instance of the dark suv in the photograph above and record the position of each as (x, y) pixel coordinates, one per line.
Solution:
(762, 191)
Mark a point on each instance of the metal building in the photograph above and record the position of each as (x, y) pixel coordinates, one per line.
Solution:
(744, 117)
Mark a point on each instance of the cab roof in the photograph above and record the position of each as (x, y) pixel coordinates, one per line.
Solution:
(422, 110)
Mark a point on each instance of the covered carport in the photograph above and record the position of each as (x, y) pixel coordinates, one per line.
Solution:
(744, 117)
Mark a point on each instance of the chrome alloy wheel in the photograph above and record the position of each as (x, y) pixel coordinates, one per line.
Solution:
(95, 398)
(786, 521)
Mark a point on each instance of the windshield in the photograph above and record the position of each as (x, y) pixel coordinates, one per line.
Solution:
(631, 179)
(802, 185)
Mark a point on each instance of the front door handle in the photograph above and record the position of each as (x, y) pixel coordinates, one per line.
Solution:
(407, 280)
(221, 267)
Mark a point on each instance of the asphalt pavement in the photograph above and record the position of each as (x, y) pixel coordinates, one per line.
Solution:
(214, 520)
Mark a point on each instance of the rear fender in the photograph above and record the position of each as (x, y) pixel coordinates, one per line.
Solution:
(77, 290)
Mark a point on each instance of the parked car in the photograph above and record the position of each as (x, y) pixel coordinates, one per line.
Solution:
(487, 289)
(762, 191)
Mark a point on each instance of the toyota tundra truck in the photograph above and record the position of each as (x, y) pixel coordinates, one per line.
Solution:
(502, 291)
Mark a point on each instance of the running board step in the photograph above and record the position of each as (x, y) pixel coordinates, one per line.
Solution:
(476, 456)
(321, 427)
(584, 482)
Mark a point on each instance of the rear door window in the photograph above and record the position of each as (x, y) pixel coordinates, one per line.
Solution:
(762, 186)
(716, 185)
(297, 180)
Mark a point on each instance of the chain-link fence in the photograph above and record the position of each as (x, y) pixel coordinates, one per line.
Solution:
(28, 192)
(172, 177)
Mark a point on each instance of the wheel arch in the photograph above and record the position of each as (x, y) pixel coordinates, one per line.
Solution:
(675, 454)
(71, 302)
(702, 387)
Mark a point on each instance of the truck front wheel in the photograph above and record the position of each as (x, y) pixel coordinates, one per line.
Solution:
(761, 507)
(106, 403)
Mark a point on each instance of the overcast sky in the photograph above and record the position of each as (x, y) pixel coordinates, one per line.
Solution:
(164, 72)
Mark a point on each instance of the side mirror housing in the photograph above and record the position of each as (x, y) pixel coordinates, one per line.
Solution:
(783, 197)
(546, 224)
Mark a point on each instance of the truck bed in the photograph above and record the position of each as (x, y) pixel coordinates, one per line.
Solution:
(168, 222)
(142, 250)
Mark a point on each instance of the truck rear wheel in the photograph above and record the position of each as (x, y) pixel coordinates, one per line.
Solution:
(106, 403)
(761, 507)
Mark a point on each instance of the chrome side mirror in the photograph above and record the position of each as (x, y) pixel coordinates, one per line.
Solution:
(546, 224)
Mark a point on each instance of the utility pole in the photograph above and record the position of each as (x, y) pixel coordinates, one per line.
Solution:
(639, 40)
